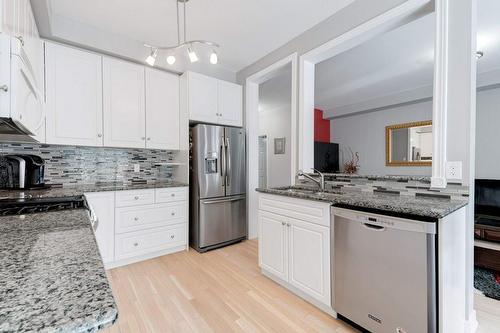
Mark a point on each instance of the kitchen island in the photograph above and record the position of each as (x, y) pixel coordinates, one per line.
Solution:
(52, 277)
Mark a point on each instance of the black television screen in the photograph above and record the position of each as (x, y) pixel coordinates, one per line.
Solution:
(326, 157)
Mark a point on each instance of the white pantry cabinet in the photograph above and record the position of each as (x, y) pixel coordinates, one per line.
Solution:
(294, 245)
(124, 106)
(162, 110)
(103, 204)
(74, 96)
(209, 100)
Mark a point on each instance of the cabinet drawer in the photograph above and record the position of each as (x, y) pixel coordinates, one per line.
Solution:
(144, 217)
(135, 198)
(305, 210)
(171, 194)
(143, 242)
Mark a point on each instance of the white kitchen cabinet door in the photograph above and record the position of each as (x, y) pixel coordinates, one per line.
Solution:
(162, 110)
(309, 259)
(124, 106)
(202, 98)
(74, 96)
(273, 244)
(103, 205)
(230, 104)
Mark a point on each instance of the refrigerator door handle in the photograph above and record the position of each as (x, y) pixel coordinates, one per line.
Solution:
(222, 201)
(222, 162)
(228, 162)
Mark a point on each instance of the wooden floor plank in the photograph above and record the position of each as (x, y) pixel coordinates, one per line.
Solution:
(218, 291)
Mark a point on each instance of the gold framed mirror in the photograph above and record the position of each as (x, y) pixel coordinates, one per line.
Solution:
(409, 144)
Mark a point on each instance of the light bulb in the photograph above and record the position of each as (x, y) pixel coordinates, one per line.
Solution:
(213, 58)
(151, 59)
(170, 59)
(193, 57)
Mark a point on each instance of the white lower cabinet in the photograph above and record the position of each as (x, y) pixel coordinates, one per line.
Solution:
(103, 206)
(296, 251)
(139, 225)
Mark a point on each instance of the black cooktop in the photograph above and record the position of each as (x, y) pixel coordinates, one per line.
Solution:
(17, 207)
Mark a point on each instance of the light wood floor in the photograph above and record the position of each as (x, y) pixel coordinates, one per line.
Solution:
(219, 291)
(488, 314)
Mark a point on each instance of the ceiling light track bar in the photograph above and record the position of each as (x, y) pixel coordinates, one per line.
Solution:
(184, 44)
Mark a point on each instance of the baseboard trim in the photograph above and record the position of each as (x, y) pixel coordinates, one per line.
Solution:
(143, 257)
(300, 293)
(472, 324)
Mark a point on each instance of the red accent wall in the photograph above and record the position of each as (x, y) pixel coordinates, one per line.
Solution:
(321, 127)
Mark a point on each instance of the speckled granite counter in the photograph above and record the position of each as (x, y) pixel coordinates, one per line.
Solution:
(51, 275)
(73, 191)
(423, 208)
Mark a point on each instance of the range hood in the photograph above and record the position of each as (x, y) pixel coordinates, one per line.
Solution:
(11, 131)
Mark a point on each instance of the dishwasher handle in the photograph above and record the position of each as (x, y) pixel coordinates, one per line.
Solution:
(373, 227)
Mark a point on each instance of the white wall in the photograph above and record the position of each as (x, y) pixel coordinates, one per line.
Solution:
(276, 123)
(365, 133)
(488, 134)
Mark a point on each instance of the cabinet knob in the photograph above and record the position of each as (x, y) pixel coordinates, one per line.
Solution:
(99, 135)
(136, 198)
(136, 244)
(173, 214)
(172, 236)
(172, 195)
(283, 223)
(149, 139)
(288, 224)
(143, 138)
(4, 88)
(136, 218)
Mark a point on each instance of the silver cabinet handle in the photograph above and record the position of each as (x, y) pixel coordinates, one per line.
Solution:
(149, 139)
(172, 236)
(20, 39)
(135, 244)
(136, 218)
(4, 88)
(136, 198)
(99, 135)
(283, 223)
(173, 214)
(172, 195)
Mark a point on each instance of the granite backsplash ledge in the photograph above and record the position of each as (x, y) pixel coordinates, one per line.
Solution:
(74, 166)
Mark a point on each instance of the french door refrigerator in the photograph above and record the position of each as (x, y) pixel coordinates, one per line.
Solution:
(217, 186)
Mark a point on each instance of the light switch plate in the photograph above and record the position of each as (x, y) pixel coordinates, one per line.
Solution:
(454, 170)
(137, 168)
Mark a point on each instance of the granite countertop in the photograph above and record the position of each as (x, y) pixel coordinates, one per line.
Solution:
(397, 178)
(74, 191)
(423, 208)
(51, 274)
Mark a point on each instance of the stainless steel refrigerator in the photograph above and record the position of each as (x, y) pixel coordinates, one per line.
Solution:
(217, 187)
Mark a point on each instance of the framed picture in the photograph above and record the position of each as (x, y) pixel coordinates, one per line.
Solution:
(279, 146)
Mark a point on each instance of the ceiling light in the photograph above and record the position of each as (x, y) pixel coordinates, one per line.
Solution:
(479, 54)
(151, 59)
(182, 42)
(213, 58)
(171, 59)
(193, 57)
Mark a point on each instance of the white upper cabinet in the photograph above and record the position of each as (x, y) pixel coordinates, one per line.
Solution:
(162, 110)
(124, 104)
(230, 103)
(209, 100)
(202, 98)
(74, 96)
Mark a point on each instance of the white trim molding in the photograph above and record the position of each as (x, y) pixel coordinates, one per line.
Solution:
(252, 128)
(440, 100)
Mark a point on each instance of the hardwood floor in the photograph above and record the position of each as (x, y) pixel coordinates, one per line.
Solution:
(219, 291)
(488, 314)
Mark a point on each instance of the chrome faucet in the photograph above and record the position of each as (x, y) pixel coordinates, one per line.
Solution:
(320, 182)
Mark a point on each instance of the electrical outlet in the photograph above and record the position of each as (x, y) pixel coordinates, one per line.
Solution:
(454, 170)
(137, 168)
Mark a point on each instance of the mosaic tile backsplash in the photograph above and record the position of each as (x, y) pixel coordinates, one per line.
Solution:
(71, 165)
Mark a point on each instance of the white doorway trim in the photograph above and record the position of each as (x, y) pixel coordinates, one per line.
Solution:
(399, 15)
(252, 128)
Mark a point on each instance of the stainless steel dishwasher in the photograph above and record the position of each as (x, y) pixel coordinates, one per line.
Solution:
(384, 272)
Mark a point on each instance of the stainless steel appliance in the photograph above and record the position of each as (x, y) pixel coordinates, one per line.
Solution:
(384, 272)
(217, 186)
(22, 172)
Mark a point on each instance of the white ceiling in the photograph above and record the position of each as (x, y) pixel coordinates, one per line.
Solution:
(246, 29)
(397, 67)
